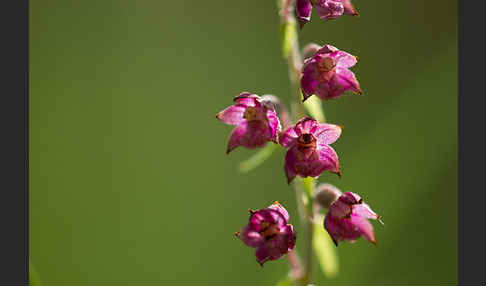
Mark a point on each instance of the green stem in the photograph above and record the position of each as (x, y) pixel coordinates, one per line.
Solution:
(305, 187)
(294, 58)
(302, 205)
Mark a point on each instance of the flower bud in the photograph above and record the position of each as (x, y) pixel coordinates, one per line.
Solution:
(309, 50)
(326, 194)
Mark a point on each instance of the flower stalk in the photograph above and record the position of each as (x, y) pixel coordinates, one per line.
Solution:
(308, 185)
(294, 61)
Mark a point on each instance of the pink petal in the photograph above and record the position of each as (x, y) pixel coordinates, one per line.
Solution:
(307, 164)
(246, 99)
(327, 133)
(340, 209)
(273, 124)
(308, 81)
(251, 135)
(250, 237)
(364, 227)
(236, 136)
(266, 215)
(257, 135)
(328, 159)
(329, 9)
(336, 229)
(262, 254)
(292, 236)
(277, 246)
(324, 92)
(343, 59)
(288, 137)
(306, 125)
(365, 211)
(346, 80)
(232, 115)
(290, 160)
(341, 228)
(279, 208)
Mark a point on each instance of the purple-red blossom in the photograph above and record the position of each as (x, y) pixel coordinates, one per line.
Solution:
(347, 219)
(256, 122)
(269, 233)
(309, 152)
(326, 74)
(327, 9)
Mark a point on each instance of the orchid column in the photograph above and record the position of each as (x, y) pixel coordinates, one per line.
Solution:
(264, 122)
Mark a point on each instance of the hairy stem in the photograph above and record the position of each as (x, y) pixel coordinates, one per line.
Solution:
(306, 189)
(294, 58)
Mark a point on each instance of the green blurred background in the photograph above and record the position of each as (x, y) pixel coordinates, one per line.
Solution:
(129, 181)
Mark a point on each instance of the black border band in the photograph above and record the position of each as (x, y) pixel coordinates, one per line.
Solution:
(14, 199)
